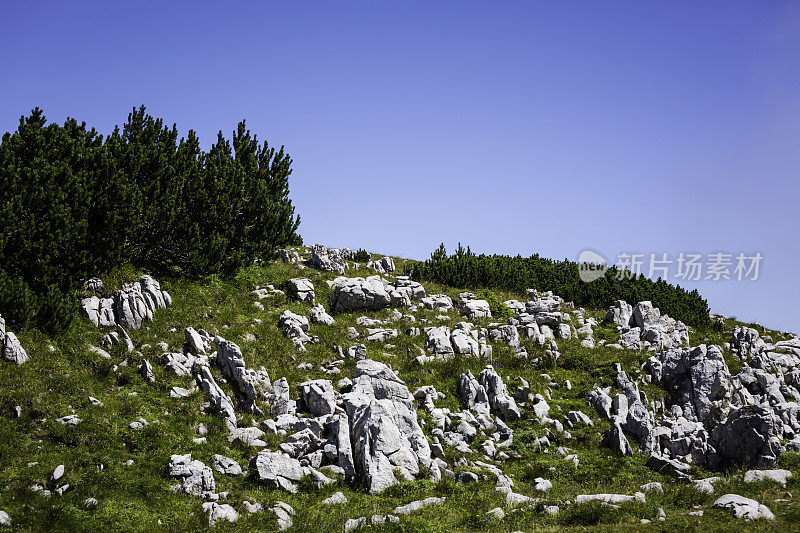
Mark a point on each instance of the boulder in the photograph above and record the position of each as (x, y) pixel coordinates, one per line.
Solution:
(277, 470)
(749, 437)
(698, 379)
(195, 477)
(471, 307)
(616, 440)
(777, 475)
(619, 313)
(501, 402)
(438, 302)
(219, 512)
(386, 436)
(417, 505)
(319, 397)
(289, 256)
(326, 259)
(249, 384)
(194, 342)
(472, 394)
(13, 350)
(438, 341)
(279, 401)
(301, 289)
(219, 402)
(319, 316)
(225, 465)
(283, 514)
(382, 266)
(356, 294)
(744, 507)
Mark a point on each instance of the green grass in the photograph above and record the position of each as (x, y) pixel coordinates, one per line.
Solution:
(138, 497)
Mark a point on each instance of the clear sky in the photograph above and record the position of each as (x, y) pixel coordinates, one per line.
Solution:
(514, 127)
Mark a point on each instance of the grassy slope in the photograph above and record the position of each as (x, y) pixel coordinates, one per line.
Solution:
(137, 497)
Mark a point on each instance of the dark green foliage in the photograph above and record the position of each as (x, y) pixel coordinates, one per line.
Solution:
(498, 308)
(75, 205)
(361, 256)
(465, 269)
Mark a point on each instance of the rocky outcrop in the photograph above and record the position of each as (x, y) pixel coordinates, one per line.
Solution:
(196, 478)
(698, 380)
(749, 437)
(11, 348)
(386, 436)
(301, 289)
(328, 259)
(219, 402)
(382, 266)
(472, 307)
(249, 384)
(356, 294)
(296, 328)
(643, 327)
(373, 293)
(438, 302)
(129, 306)
(503, 405)
(277, 470)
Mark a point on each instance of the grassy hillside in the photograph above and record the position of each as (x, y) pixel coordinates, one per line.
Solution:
(125, 469)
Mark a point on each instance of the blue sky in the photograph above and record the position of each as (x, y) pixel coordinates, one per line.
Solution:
(514, 127)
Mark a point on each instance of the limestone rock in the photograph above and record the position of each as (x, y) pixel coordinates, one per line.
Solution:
(301, 289)
(249, 384)
(500, 400)
(777, 475)
(225, 465)
(417, 505)
(385, 432)
(748, 437)
(319, 316)
(356, 294)
(195, 477)
(277, 469)
(219, 512)
(744, 507)
(13, 350)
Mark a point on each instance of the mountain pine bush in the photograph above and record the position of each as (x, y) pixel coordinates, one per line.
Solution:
(502, 272)
(74, 205)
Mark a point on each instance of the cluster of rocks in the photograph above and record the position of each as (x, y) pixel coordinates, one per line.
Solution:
(10, 347)
(289, 256)
(368, 432)
(328, 259)
(384, 265)
(301, 289)
(711, 418)
(464, 339)
(295, 327)
(129, 306)
(542, 318)
(373, 293)
(643, 327)
(264, 292)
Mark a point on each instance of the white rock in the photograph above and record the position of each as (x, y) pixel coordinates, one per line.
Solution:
(335, 498)
(776, 475)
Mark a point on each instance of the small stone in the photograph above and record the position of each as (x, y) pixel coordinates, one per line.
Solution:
(497, 513)
(335, 498)
(58, 473)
